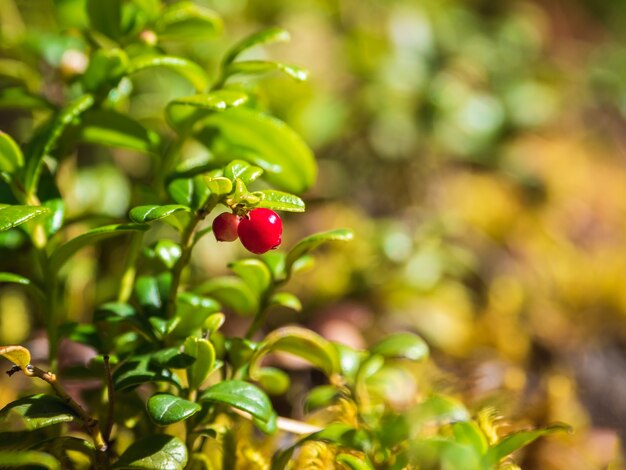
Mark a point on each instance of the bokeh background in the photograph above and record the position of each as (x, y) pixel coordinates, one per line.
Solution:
(477, 149)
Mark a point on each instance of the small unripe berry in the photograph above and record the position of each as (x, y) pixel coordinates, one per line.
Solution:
(260, 231)
(225, 227)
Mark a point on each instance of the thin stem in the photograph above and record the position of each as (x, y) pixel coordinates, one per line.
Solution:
(260, 317)
(111, 398)
(130, 268)
(90, 424)
(186, 242)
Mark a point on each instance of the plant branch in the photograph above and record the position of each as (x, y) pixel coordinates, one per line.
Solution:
(111, 396)
(130, 268)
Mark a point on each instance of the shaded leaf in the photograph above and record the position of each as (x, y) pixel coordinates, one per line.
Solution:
(35, 412)
(245, 397)
(254, 273)
(301, 342)
(266, 142)
(106, 69)
(231, 292)
(166, 409)
(63, 253)
(273, 381)
(158, 452)
(193, 310)
(186, 68)
(172, 358)
(12, 216)
(308, 244)
(27, 458)
(320, 397)
(18, 355)
(105, 17)
(266, 36)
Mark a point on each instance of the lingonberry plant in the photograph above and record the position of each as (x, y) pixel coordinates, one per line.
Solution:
(175, 390)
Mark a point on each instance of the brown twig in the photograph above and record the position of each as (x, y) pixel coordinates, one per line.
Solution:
(111, 395)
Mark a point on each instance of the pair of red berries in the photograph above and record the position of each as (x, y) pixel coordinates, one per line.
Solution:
(259, 231)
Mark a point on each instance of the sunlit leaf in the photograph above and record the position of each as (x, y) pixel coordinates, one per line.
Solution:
(254, 273)
(150, 213)
(186, 68)
(183, 113)
(219, 185)
(204, 353)
(245, 397)
(185, 21)
(12, 216)
(35, 412)
(110, 128)
(301, 342)
(402, 345)
(280, 201)
(273, 381)
(262, 37)
(353, 462)
(286, 299)
(308, 244)
(231, 292)
(156, 452)
(166, 409)
(255, 67)
(515, 441)
(239, 169)
(193, 310)
(28, 458)
(11, 157)
(18, 355)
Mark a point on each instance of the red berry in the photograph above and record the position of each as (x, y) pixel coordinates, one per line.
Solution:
(225, 227)
(260, 230)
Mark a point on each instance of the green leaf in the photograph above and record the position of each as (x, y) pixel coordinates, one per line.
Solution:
(158, 452)
(219, 185)
(193, 310)
(18, 355)
(402, 345)
(63, 253)
(273, 381)
(286, 299)
(438, 409)
(18, 98)
(301, 342)
(28, 458)
(280, 201)
(468, 433)
(255, 67)
(47, 136)
(239, 169)
(167, 251)
(11, 158)
(139, 370)
(186, 68)
(183, 113)
(517, 440)
(354, 463)
(191, 192)
(152, 292)
(114, 312)
(308, 244)
(107, 127)
(204, 352)
(266, 142)
(166, 409)
(172, 358)
(245, 397)
(106, 68)
(231, 292)
(150, 213)
(320, 397)
(23, 281)
(12, 216)
(262, 37)
(105, 17)
(350, 360)
(35, 412)
(254, 273)
(186, 21)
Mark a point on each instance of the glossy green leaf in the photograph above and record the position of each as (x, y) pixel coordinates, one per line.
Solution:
(35, 412)
(28, 458)
(139, 370)
(301, 342)
(262, 37)
(18, 355)
(219, 185)
(193, 310)
(245, 397)
(280, 201)
(350, 360)
(114, 312)
(320, 397)
(308, 244)
(186, 68)
(192, 192)
(204, 352)
(275, 260)
(150, 213)
(231, 292)
(63, 253)
(158, 452)
(12, 216)
(167, 251)
(183, 113)
(273, 381)
(402, 345)
(239, 169)
(266, 142)
(105, 17)
(185, 21)
(47, 136)
(353, 462)
(255, 67)
(23, 281)
(172, 358)
(515, 441)
(439, 409)
(11, 158)
(110, 128)
(166, 409)
(468, 433)
(254, 273)
(214, 322)
(106, 68)
(287, 300)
